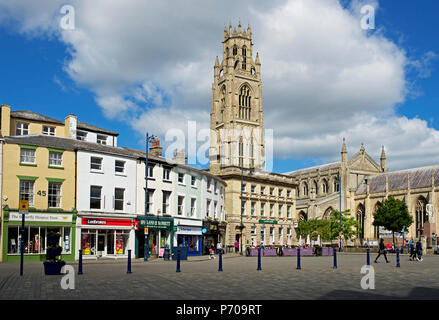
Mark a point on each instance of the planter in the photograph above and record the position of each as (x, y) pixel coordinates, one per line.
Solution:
(290, 251)
(327, 251)
(254, 252)
(306, 251)
(53, 268)
(270, 252)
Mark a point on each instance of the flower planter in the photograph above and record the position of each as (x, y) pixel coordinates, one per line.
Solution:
(327, 251)
(53, 268)
(306, 251)
(254, 252)
(290, 251)
(270, 252)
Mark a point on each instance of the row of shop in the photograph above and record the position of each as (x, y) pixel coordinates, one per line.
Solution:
(102, 236)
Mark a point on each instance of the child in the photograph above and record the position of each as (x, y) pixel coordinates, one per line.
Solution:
(212, 251)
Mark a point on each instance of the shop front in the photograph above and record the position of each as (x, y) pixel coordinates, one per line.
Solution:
(189, 234)
(105, 237)
(160, 233)
(38, 224)
(213, 232)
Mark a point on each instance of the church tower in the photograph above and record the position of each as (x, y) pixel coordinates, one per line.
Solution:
(236, 120)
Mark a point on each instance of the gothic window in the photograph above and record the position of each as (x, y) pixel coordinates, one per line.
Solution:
(305, 189)
(235, 50)
(316, 187)
(360, 219)
(302, 216)
(336, 185)
(245, 103)
(244, 58)
(223, 102)
(327, 214)
(421, 216)
(325, 186)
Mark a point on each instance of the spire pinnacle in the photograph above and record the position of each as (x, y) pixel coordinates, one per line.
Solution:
(383, 153)
(343, 147)
(362, 148)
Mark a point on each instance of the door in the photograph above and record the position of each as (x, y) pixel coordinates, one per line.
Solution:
(101, 244)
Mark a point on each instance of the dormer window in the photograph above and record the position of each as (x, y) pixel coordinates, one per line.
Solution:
(21, 129)
(81, 135)
(101, 139)
(50, 131)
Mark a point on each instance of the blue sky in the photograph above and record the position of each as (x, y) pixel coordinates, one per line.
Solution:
(36, 76)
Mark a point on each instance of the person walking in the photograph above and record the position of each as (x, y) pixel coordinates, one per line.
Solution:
(236, 246)
(219, 247)
(412, 251)
(382, 250)
(419, 250)
(212, 251)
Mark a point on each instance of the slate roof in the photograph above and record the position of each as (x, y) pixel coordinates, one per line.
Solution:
(29, 115)
(398, 180)
(72, 144)
(323, 167)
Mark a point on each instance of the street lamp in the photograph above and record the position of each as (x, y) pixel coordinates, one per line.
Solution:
(242, 203)
(338, 180)
(149, 138)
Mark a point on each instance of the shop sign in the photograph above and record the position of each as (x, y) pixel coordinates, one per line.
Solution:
(158, 224)
(41, 217)
(189, 230)
(268, 221)
(107, 222)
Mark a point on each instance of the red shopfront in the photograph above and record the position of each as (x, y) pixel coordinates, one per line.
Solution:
(106, 237)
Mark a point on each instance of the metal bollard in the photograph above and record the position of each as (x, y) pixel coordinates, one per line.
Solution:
(178, 262)
(368, 257)
(129, 262)
(80, 262)
(335, 259)
(298, 259)
(220, 262)
(259, 259)
(397, 258)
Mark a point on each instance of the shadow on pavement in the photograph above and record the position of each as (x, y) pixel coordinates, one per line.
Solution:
(416, 293)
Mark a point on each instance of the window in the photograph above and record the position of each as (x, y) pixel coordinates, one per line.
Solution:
(215, 209)
(262, 209)
(271, 210)
(336, 186)
(118, 198)
(280, 235)
(96, 163)
(119, 166)
(101, 139)
(215, 187)
(21, 129)
(263, 235)
(209, 185)
(165, 202)
(244, 103)
(280, 192)
(167, 174)
(27, 191)
(193, 181)
(180, 205)
(244, 58)
(95, 197)
(253, 209)
(288, 212)
(181, 177)
(81, 135)
(244, 187)
(271, 235)
(150, 196)
(54, 195)
(253, 188)
(50, 131)
(280, 211)
(325, 186)
(262, 190)
(208, 208)
(253, 230)
(55, 158)
(271, 191)
(288, 193)
(27, 155)
(150, 171)
(193, 203)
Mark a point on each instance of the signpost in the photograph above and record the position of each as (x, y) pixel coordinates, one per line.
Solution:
(23, 210)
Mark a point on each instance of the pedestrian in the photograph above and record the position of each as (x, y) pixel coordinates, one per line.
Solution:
(219, 247)
(412, 251)
(212, 251)
(382, 250)
(236, 246)
(419, 250)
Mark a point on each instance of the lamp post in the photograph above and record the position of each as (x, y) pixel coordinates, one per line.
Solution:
(339, 188)
(242, 207)
(149, 138)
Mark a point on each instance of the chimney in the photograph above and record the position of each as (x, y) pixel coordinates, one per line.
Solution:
(155, 150)
(180, 157)
(70, 124)
(5, 120)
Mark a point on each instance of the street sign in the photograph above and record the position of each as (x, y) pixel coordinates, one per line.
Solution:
(23, 206)
(146, 230)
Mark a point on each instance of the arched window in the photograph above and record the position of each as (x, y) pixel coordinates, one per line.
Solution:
(360, 219)
(244, 58)
(316, 187)
(327, 214)
(302, 216)
(305, 189)
(235, 50)
(324, 186)
(421, 216)
(223, 102)
(336, 185)
(245, 103)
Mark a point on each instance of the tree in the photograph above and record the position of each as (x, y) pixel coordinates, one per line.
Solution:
(349, 226)
(314, 227)
(393, 215)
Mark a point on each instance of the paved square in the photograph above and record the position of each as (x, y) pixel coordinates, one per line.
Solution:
(199, 279)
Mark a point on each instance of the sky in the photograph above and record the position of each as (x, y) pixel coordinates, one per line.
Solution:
(147, 66)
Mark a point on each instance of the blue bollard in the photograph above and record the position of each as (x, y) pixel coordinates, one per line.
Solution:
(178, 262)
(368, 257)
(397, 258)
(220, 262)
(129, 262)
(335, 259)
(80, 262)
(298, 259)
(259, 259)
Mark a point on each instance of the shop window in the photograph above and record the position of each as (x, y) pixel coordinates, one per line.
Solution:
(118, 198)
(54, 195)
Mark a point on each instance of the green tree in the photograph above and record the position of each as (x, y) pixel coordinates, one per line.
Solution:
(393, 215)
(313, 228)
(349, 226)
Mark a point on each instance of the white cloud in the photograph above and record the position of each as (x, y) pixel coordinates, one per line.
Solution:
(151, 63)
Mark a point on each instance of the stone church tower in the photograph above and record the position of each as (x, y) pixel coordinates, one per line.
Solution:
(237, 121)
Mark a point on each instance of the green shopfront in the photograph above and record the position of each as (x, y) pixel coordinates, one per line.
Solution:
(37, 226)
(160, 235)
